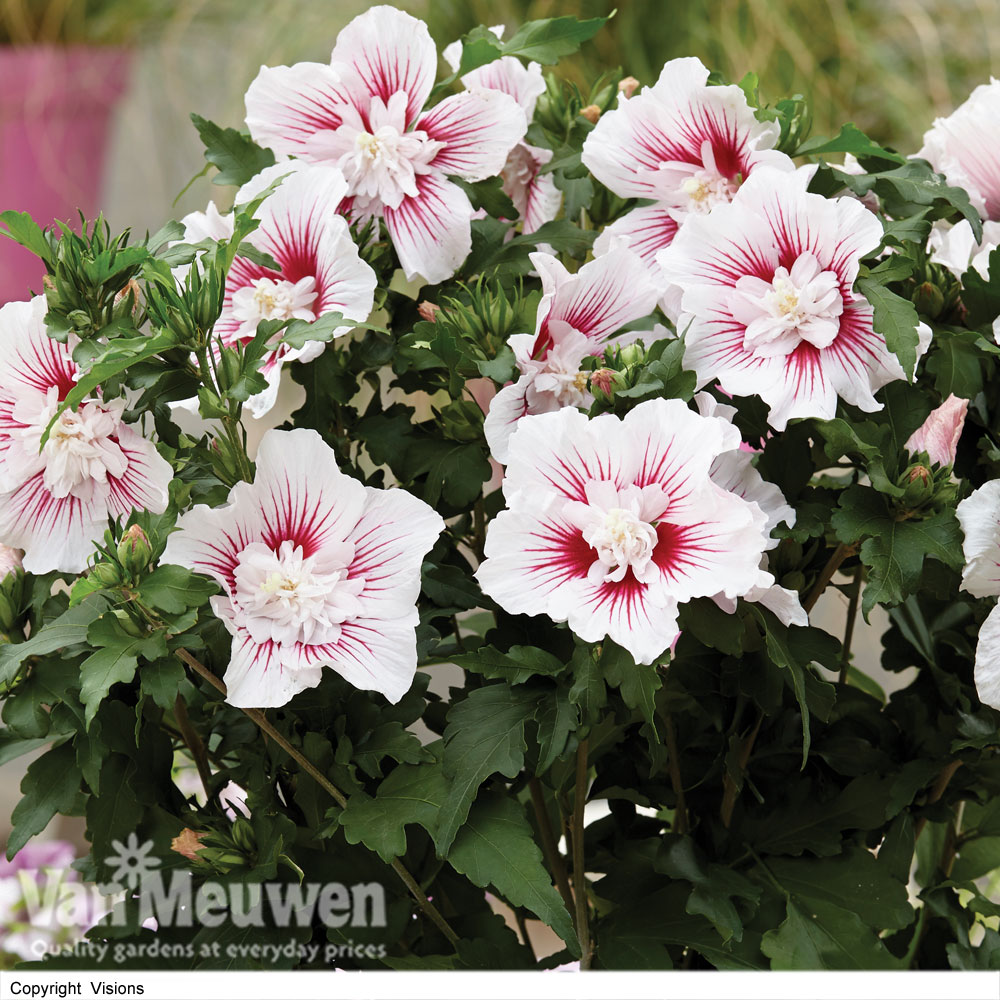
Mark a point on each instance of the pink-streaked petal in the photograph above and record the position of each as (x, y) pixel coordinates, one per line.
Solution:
(265, 675)
(391, 538)
(478, 129)
(560, 452)
(671, 124)
(287, 106)
(674, 447)
(540, 203)
(29, 358)
(303, 497)
(605, 294)
(432, 232)
(506, 409)
(988, 660)
(718, 553)
(145, 484)
(209, 539)
(962, 147)
(55, 533)
(510, 76)
(274, 174)
(647, 229)
(633, 614)
(384, 51)
(375, 655)
(979, 516)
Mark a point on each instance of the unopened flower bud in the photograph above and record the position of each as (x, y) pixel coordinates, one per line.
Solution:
(919, 472)
(628, 85)
(632, 354)
(928, 299)
(428, 311)
(591, 112)
(105, 574)
(938, 435)
(134, 550)
(187, 843)
(127, 300)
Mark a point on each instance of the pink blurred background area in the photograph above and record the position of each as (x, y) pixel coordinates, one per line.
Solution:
(56, 107)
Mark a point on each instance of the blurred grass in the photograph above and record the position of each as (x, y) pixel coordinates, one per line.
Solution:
(888, 65)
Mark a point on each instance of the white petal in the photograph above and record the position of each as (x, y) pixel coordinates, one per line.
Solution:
(384, 51)
(56, 534)
(979, 516)
(988, 660)
(478, 129)
(432, 232)
(506, 409)
(510, 76)
(394, 533)
(734, 472)
(287, 106)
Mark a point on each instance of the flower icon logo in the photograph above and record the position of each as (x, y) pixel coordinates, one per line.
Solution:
(132, 863)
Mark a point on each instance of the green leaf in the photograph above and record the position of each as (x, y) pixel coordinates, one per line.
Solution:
(484, 736)
(115, 661)
(389, 739)
(894, 550)
(824, 936)
(68, 629)
(22, 228)
(849, 140)
(49, 787)
(515, 666)
(794, 648)
(895, 318)
(237, 156)
(116, 812)
(174, 589)
(161, 681)
(546, 41)
(637, 682)
(497, 847)
(411, 794)
(588, 692)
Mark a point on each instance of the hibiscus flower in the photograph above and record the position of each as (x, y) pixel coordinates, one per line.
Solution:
(317, 571)
(534, 194)
(767, 305)
(363, 113)
(682, 143)
(612, 523)
(578, 315)
(55, 500)
(958, 147)
(319, 269)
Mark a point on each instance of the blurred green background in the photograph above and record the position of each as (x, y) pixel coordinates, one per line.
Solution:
(888, 65)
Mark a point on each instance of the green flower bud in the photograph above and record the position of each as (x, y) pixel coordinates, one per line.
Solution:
(134, 550)
(106, 574)
(928, 299)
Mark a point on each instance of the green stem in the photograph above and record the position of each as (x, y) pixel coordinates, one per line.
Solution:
(194, 743)
(673, 765)
(550, 847)
(324, 782)
(840, 553)
(579, 867)
(852, 616)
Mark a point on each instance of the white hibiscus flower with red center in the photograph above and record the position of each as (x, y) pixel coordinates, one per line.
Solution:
(960, 147)
(767, 305)
(319, 269)
(317, 571)
(979, 516)
(534, 194)
(578, 315)
(364, 114)
(682, 143)
(55, 500)
(612, 523)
